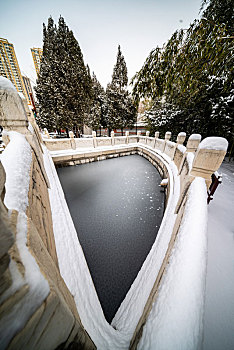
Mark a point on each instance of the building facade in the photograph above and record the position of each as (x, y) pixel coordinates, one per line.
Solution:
(28, 89)
(9, 67)
(37, 55)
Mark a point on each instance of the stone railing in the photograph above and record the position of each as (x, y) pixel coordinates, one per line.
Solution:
(30, 276)
(195, 160)
(37, 311)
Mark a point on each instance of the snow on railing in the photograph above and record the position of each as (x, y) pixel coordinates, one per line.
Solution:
(191, 170)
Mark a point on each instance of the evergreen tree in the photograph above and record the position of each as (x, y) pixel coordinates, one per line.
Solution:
(121, 111)
(64, 84)
(190, 80)
(97, 114)
(45, 83)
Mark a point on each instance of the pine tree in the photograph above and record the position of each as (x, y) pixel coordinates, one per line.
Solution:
(97, 114)
(121, 111)
(45, 83)
(64, 84)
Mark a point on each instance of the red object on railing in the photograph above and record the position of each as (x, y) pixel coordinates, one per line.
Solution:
(33, 103)
(216, 180)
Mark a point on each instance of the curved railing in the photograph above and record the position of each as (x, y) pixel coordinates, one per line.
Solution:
(48, 244)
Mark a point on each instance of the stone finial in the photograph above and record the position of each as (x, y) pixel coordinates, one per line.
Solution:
(126, 133)
(208, 158)
(156, 135)
(181, 138)
(71, 134)
(12, 113)
(168, 135)
(112, 134)
(94, 134)
(147, 133)
(139, 133)
(193, 142)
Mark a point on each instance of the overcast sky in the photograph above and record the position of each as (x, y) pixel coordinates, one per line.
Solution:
(99, 26)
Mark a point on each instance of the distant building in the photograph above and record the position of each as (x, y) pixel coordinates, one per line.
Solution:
(37, 55)
(28, 89)
(9, 67)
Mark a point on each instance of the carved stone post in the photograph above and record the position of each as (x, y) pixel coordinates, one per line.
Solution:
(208, 158)
(178, 155)
(73, 142)
(112, 138)
(94, 134)
(147, 135)
(167, 135)
(127, 136)
(138, 135)
(167, 138)
(156, 136)
(193, 142)
(181, 138)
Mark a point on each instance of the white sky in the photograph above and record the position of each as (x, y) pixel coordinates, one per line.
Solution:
(99, 26)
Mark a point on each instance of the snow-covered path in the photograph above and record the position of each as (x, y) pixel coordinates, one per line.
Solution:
(219, 305)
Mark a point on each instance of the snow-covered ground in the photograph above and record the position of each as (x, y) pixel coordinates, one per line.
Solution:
(219, 304)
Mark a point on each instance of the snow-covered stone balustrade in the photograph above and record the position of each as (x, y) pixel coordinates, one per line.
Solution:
(37, 310)
(48, 278)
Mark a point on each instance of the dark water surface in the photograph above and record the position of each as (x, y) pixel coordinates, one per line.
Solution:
(117, 207)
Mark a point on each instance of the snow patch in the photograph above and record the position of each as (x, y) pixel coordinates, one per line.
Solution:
(16, 160)
(175, 321)
(181, 148)
(6, 84)
(182, 133)
(195, 137)
(215, 143)
(190, 158)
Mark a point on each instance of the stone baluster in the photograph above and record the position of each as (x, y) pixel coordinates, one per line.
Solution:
(156, 136)
(193, 142)
(138, 135)
(94, 134)
(167, 135)
(72, 140)
(112, 138)
(178, 156)
(208, 158)
(167, 138)
(147, 135)
(127, 136)
(181, 138)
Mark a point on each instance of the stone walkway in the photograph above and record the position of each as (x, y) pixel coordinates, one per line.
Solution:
(219, 305)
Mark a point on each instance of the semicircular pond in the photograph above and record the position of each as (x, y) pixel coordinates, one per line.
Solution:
(117, 207)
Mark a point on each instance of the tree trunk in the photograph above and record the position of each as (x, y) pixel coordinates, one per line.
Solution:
(67, 133)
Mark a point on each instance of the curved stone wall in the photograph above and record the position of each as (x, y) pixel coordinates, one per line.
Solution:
(60, 306)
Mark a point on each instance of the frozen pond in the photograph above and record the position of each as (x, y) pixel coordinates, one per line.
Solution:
(117, 207)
